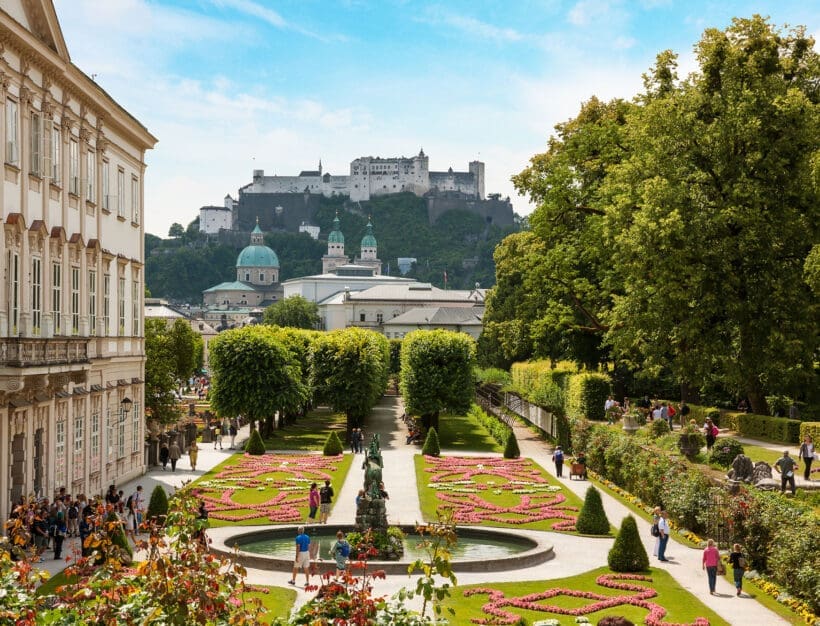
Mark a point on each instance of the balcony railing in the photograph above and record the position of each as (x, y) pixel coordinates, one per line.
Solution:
(34, 352)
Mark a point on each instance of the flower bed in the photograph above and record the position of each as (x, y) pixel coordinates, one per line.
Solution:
(483, 490)
(497, 607)
(272, 488)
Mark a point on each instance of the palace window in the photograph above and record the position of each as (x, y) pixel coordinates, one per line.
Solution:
(12, 146)
(36, 136)
(92, 301)
(135, 200)
(121, 193)
(74, 167)
(91, 176)
(54, 149)
(108, 420)
(135, 308)
(106, 303)
(121, 435)
(36, 295)
(136, 420)
(14, 290)
(95, 434)
(106, 190)
(121, 299)
(59, 447)
(361, 317)
(75, 300)
(379, 317)
(79, 434)
(57, 296)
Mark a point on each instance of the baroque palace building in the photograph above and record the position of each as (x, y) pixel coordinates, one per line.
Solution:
(71, 298)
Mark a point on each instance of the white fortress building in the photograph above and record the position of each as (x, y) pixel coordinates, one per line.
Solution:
(375, 176)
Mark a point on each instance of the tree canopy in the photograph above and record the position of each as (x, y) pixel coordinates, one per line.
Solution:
(294, 312)
(673, 232)
(160, 374)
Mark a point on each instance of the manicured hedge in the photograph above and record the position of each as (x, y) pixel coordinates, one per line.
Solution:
(776, 428)
(586, 395)
(498, 429)
(812, 429)
(562, 390)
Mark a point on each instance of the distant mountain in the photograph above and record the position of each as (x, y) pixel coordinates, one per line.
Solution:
(459, 242)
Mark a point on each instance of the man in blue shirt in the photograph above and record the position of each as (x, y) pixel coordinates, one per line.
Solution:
(302, 556)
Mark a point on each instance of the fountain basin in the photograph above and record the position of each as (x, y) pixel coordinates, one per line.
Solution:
(523, 548)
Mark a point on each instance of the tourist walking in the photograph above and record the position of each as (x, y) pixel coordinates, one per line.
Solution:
(340, 550)
(233, 430)
(325, 498)
(807, 455)
(787, 467)
(711, 561)
(558, 459)
(193, 453)
(130, 520)
(139, 505)
(656, 518)
(60, 531)
(164, 455)
(663, 539)
(313, 502)
(174, 454)
(302, 556)
(218, 437)
(711, 433)
(739, 565)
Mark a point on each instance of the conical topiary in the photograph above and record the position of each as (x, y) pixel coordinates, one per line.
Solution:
(255, 445)
(118, 538)
(431, 446)
(158, 505)
(333, 445)
(511, 450)
(592, 518)
(628, 554)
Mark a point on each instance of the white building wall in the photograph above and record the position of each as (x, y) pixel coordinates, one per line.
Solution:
(212, 219)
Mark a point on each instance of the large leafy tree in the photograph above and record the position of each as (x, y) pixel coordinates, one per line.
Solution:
(294, 312)
(437, 373)
(160, 377)
(350, 369)
(713, 214)
(255, 374)
(186, 349)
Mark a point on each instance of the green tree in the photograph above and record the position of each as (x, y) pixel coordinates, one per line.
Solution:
(254, 374)
(176, 230)
(160, 377)
(627, 553)
(592, 517)
(295, 312)
(350, 369)
(437, 373)
(157, 505)
(186, 349)
(431, 445)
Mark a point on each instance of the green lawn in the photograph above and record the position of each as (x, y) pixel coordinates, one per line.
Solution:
(682, 606)
(266, 489)
(309, 432)
(277, 602)
(487, 485)
(464, 433)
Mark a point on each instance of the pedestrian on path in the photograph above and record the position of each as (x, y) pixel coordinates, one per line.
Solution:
(340, 550)
(233, 429)
(164, 455)
(302, 556)
(663, 529)
(218, 437)
(711, 560)
(325, 498)
(558, 459)
(313, 502)
(711, 432)
(807, 455)
(739, 565)
(193, 453)
(656, 518)
(174, 454)
(787, 467)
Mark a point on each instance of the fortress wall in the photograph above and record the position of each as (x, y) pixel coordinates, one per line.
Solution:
(495, 211)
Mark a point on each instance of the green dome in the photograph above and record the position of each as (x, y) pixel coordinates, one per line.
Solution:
(257, 256)
(336, 235)
(369, 241)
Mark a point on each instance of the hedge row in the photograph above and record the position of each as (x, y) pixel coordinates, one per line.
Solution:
(498, 429)
(777, 428)
(562, 390)
(811, 429)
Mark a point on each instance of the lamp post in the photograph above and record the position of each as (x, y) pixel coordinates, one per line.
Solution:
(125, 405)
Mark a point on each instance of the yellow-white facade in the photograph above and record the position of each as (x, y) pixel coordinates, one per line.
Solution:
(72, 255)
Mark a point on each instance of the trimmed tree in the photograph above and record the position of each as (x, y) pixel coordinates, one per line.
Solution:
(158, 504)
(255, 445)
(592, 518)
(431, 446)
(437, 373)
(294, 312)
(628, 553)
(511, 450)
(333, 445)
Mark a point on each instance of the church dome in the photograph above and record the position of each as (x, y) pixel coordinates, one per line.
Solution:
(257, 256)
(336, 235)
(369, 241)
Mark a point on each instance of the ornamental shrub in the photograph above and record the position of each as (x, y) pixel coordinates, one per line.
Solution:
(628, 553)
(255, 445)
(498, 429)
(725, 450)
(511, 450)
(690, 441)
(586, 395)
(659, 428)
(777, 428)
(431, 446)
(333, 445)
(811, 429)
(592, 519)
(158, 504)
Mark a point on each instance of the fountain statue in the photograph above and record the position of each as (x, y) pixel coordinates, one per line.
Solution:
(371, 514)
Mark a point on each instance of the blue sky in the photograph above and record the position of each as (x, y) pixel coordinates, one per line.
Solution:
(229, 86)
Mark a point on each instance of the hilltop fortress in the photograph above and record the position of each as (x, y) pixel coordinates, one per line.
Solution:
(289, 202)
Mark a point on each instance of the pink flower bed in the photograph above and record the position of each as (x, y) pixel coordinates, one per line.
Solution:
(265, 473)
(533, 601)
(452, 478)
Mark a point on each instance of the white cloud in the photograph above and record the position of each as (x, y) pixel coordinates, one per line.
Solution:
(472, 26)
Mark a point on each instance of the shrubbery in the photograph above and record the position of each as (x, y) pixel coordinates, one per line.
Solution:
(586, 395)
(255, 445)
(811, 429)
(628, 553)
(690, 441)
(659, 428)
(776, 428)
(158, 505)
(498, 429)
(725, 450)
(333, 445)
(592, 519)
(511, 450)
(431, 445)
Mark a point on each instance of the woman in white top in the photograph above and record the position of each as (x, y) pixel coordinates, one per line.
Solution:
(807, 455)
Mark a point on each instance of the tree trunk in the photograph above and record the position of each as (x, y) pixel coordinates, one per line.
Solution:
(435, 421)
(689, 394)
(757, 400)
(267, 431)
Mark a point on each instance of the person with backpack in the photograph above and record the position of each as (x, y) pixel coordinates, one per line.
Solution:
(711, 432)
(302, 556)
(73, 515)
(340, 551)
(325, 498)
(558, 459)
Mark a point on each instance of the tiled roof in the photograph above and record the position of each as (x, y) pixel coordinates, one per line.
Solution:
(439, 316)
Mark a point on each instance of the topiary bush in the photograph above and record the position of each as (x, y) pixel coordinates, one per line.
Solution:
(592, 519)
(511, 450)
(586, 395)
(659, 428)
(628, 553)
(725, 450)
(431, 445)
(158, 504)
(333, 445)
(255, 445)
